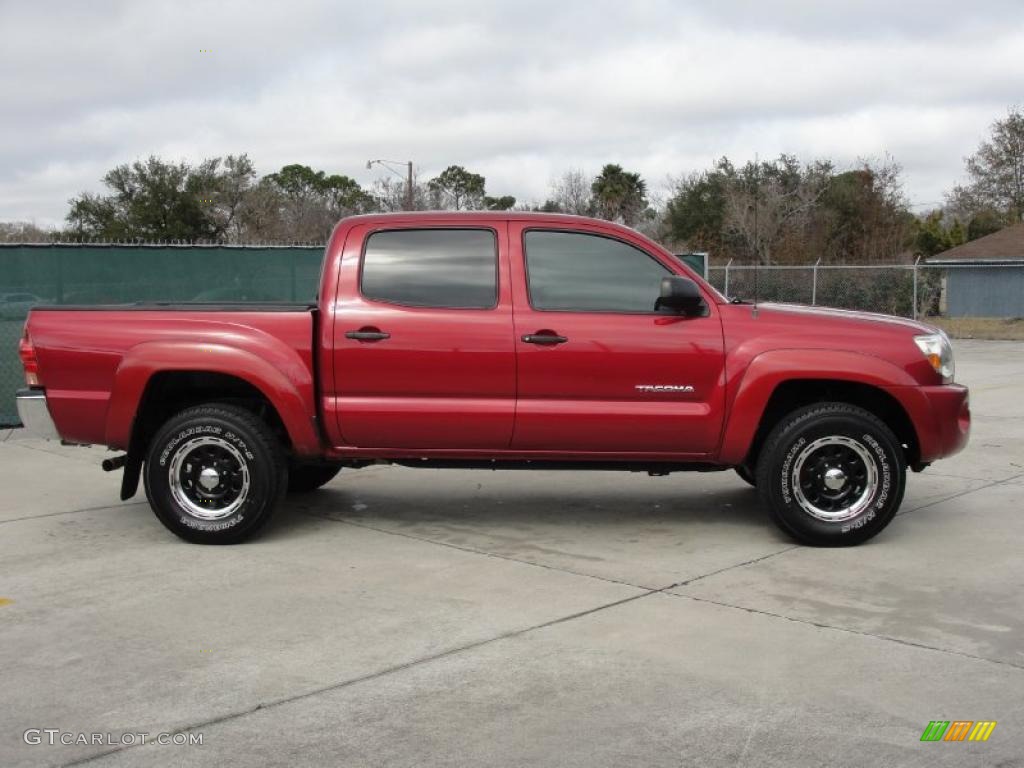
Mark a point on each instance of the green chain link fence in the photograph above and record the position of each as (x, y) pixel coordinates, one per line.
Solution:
(116, 274)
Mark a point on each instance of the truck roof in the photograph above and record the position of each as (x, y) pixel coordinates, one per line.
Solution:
(479, 216)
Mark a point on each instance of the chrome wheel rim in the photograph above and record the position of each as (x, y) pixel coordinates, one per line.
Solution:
(834, 478)
(208, 478)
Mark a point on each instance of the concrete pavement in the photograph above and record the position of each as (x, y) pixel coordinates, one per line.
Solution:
(457, 618)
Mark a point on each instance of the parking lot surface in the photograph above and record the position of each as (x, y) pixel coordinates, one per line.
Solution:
(465, 618)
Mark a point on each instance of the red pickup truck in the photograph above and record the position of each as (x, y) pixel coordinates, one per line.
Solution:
(497, 340)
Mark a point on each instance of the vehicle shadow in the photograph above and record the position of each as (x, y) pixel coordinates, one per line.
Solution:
(455, 503)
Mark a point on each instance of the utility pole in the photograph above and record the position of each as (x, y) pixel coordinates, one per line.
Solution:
(409, 202)
(410, 197)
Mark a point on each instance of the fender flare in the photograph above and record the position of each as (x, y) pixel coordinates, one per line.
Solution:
(279, 374)
(770, 369)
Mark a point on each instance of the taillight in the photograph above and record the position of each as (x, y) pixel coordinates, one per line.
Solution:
(29, 361)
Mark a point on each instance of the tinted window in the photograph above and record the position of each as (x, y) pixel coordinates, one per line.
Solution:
(587, 273)
(432, 268)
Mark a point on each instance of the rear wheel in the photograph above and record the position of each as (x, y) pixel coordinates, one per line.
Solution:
(303, 478)
(831, 474)
(214, 474)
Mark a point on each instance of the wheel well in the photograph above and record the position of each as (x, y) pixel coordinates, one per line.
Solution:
(790, 395)
(170, 392)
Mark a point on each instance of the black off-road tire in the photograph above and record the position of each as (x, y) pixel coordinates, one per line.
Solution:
(855, 450)
(304, 478)
(253, 474)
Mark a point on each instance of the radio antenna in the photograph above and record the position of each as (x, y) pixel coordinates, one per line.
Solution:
(757, 239)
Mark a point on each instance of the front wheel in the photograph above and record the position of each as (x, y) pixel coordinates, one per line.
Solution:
(832, 475)
(214, 474)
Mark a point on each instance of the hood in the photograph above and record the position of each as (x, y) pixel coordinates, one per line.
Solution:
(798, 327)
(830, 316)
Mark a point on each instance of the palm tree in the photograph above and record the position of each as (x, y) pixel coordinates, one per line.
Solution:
(619, 195)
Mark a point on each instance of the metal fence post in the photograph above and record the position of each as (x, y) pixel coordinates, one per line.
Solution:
(725, 287)
(916, 261)
(814, 283)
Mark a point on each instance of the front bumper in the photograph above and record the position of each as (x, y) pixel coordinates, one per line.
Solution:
(35, 415)
(951, 413)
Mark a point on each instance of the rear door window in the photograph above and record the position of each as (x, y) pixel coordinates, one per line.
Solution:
(443, 268)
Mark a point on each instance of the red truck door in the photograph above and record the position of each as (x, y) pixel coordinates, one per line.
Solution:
(423, 353)
(598, 368)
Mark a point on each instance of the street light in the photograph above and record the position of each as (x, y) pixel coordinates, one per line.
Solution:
(387, 164)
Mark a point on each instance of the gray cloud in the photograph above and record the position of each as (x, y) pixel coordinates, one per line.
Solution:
(517, 91)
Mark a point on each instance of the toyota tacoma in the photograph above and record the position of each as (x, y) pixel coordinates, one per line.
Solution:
(501, 341)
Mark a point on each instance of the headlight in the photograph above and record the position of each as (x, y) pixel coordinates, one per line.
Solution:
(939, 352)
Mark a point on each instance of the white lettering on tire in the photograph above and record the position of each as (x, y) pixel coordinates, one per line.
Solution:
(185, 434)
(786, 464)
(884, 489)
(883, 464)
(210, 526)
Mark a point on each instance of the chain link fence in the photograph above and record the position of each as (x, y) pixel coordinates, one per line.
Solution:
(66, 273)
(101, 274)
(917, 291)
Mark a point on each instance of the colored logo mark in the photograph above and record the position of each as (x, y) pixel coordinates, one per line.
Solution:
(958, 730)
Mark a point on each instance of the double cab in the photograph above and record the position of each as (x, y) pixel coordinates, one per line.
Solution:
(496, 340)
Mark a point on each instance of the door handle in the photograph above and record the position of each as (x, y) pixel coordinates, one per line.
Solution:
(366, 334)
(545, 337)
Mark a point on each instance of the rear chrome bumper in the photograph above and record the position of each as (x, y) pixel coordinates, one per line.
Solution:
(34, 413)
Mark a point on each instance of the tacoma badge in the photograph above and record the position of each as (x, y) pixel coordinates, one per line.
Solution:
(664, 388)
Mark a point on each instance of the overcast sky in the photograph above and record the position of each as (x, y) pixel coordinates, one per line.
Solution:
(516, 91)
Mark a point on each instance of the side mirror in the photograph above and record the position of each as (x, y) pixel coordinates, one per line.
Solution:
(682, 295)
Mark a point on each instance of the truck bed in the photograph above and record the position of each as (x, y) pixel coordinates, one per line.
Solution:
(85, 351)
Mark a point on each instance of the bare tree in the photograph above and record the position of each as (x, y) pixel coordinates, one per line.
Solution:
(261, 218)
(996, 171)
(230, 182)
(24, 232)
(771, 201)
(571, 193)
(391, 194)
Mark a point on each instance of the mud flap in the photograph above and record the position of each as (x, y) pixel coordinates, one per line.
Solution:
(130, 479)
